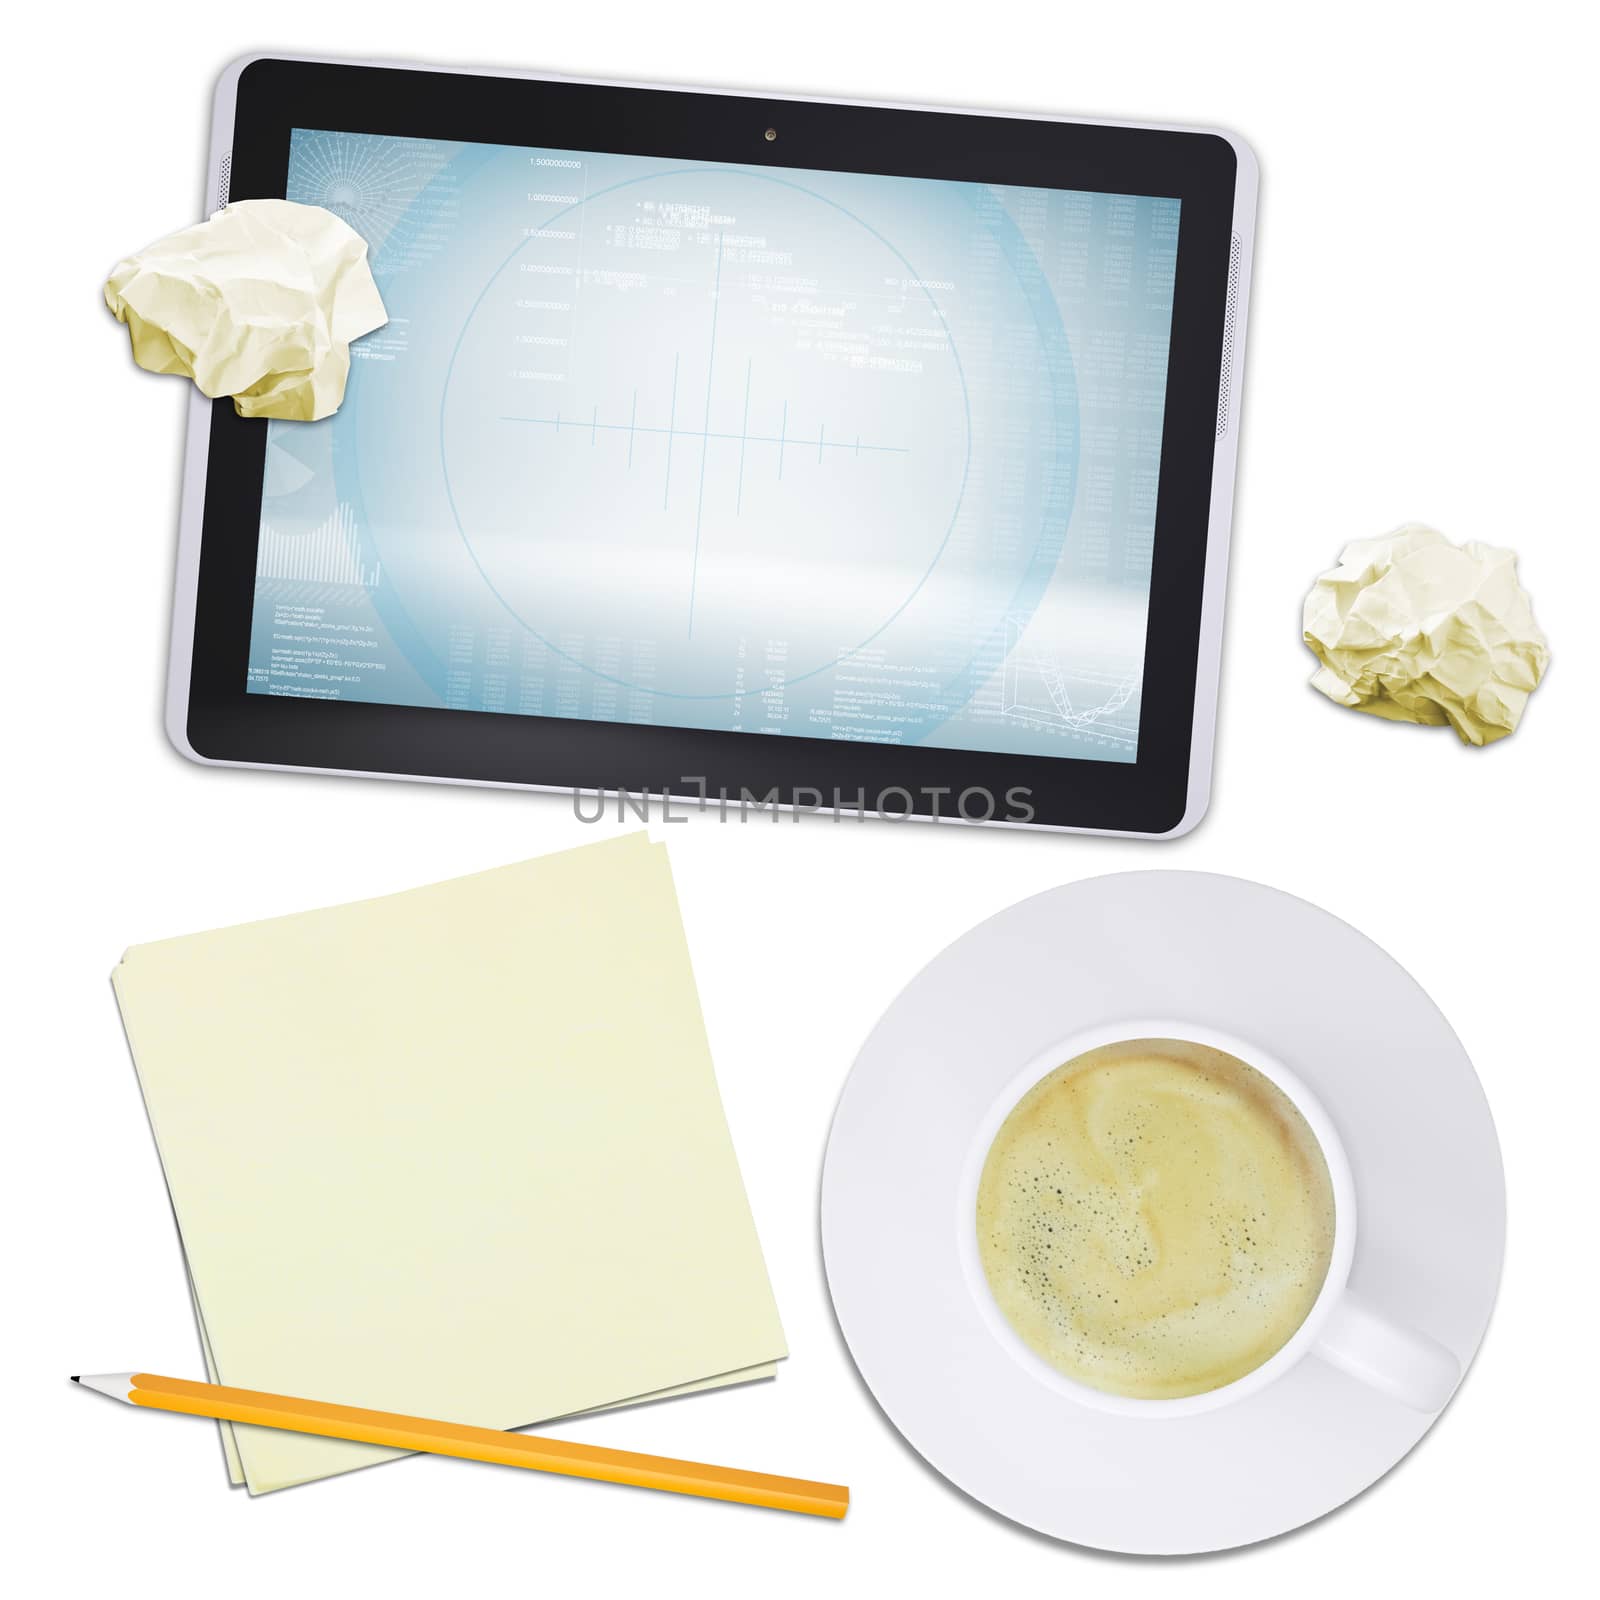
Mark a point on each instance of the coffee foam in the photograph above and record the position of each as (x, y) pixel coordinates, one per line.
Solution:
(1155, 1218)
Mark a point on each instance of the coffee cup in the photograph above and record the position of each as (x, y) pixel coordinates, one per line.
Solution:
(1339, 1326)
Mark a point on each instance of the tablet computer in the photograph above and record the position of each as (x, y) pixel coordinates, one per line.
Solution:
(747, 450)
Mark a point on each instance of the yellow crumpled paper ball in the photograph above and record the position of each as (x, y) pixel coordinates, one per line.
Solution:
(1416, 629)
(262, 303)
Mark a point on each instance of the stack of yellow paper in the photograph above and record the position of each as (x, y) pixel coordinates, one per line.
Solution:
(457, 1152)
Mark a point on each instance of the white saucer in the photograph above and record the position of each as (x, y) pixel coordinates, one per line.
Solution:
(1236, 958)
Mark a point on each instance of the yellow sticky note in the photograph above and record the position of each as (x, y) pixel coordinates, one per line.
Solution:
(457, 1152)
(262, 303)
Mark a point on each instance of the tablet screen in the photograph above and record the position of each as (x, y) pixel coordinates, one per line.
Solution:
(720, 447)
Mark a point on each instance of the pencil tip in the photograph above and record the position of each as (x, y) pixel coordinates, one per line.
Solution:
(74, 1377)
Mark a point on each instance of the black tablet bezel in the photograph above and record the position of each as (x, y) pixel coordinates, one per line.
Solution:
(1150, 795)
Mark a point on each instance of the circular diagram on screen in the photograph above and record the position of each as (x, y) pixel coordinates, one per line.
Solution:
(711, 415)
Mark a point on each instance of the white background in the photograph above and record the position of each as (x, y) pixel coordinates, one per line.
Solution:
(1422, 345)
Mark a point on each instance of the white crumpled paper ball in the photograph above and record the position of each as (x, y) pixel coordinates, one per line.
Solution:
(1416, 629)
(262, 303)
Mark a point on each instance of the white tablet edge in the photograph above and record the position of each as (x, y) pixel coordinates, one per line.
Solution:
(1208, 664)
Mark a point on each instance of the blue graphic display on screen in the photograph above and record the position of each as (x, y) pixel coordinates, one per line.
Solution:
(761, 449)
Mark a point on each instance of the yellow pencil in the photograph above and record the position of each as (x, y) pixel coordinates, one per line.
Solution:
(473, 1444)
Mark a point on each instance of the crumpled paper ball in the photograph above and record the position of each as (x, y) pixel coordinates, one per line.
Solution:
(1416, 629)
(261, 303)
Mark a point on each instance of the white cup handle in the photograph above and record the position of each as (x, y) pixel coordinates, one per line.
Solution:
(1406, 1365)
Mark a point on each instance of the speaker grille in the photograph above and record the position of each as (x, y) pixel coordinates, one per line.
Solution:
(1225, 388)
(226, 169)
